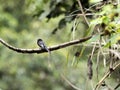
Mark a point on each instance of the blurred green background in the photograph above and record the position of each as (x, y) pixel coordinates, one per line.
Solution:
(20, 28)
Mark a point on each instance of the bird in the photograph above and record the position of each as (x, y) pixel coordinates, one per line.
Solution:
(42, 45)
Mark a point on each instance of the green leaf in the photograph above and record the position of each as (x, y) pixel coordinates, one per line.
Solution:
(113, 40)
(90, 30)
(105, 20)
(93, 39)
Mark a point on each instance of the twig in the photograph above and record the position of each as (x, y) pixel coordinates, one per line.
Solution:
(81, 8)
(56, 47)
(117, 86)
(87, 14)
(106, 75)
(73, 86)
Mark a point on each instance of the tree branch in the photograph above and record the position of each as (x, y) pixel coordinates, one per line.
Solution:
(56, 47)
(106, 75)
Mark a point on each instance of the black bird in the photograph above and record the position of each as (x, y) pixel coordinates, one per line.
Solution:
(42, 45)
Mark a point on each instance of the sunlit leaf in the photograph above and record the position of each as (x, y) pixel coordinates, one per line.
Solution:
(93, 39)
(113, 40)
